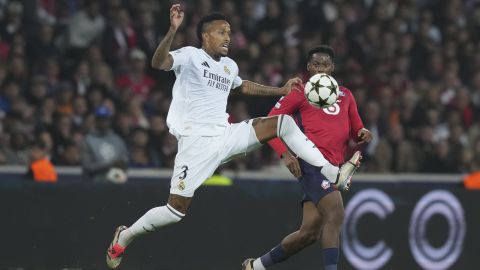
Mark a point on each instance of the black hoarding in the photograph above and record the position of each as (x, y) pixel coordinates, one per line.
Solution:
(387, 226)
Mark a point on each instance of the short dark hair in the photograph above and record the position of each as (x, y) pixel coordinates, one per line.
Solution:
(216, 16)
(321, 49)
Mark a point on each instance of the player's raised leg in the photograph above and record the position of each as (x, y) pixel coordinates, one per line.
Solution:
(285, 128)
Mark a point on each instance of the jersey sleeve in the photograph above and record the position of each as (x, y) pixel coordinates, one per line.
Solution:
(355, 121)
(237, 82)
(286, 105)
(181, 57)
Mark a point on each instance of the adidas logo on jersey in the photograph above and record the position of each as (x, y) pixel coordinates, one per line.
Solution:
(205, 64)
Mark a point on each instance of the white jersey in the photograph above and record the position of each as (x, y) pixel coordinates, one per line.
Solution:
(200, 92)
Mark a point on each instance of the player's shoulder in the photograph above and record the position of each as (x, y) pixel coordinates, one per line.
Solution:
(344, 91)
(298, 90)
(229, 61)
(186, 50)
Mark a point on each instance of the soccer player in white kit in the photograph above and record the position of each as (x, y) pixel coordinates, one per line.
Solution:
(197, 118)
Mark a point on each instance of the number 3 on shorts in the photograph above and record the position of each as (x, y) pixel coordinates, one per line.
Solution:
(184, 172)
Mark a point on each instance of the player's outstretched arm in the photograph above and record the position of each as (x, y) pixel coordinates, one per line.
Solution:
(256, 89)
(161, 58)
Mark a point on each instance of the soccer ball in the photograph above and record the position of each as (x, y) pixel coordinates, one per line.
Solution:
(321, 90)
(117, 176)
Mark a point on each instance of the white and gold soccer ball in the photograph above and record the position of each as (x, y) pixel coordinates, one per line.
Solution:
(321, 90)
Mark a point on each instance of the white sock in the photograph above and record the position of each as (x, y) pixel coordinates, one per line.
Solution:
(257, 265)
(152, 220)
(330, 171)
(292, 136)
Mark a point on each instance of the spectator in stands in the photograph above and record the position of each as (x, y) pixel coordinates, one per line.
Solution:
(475, 162)
(147, 33)
(102, 149)
(393, 153)
(136, 82)
(41, 46)
(413, 64)
(9, 93)
(37, 91)
(61, 132)
(16, 152)
(141, 156)
(168, 151)
(40, 168)
(69, 156)
(157, 132)
(79, 111)
(137, 115)
(84, 27)
(12, 22)
(81, 78)
(120, 37)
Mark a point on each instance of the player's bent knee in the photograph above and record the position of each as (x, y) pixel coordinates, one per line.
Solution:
(174, 215)
(179, 203)
(265, 128)
(284, 123)
(308, 237)
(309, 232)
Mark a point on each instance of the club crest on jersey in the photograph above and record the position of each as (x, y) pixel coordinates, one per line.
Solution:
(225, 68)
(341, 93)
(325, 184)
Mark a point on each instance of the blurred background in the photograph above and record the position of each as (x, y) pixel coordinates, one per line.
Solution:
(413, 67)
(72, 68)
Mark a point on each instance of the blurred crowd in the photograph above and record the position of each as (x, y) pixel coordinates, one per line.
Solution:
(413, 66)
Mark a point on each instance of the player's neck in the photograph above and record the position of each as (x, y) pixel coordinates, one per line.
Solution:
(215, 57)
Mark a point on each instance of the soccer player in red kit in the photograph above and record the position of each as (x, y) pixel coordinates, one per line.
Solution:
(330, 129)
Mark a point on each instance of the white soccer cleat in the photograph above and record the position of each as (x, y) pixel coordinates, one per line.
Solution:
(115, 251)
(248, 264)
(346, 171)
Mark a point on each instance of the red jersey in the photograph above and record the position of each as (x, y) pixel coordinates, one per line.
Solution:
(140, 88)
(329, 128)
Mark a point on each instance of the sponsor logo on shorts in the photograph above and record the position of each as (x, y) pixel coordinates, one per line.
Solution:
(325, 184)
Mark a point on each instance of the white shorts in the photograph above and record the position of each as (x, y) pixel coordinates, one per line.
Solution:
(199, 156)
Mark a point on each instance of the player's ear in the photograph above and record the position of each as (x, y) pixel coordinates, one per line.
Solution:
(204, 37)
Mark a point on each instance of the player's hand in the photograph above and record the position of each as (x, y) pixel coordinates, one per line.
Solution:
(176, 16)
(291, 85)
(292, 164)
(364, 136)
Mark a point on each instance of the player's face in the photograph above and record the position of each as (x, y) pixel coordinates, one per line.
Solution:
(217, 38)
(320, 63)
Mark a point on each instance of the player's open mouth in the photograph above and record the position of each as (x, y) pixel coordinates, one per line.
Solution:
(225, 46)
